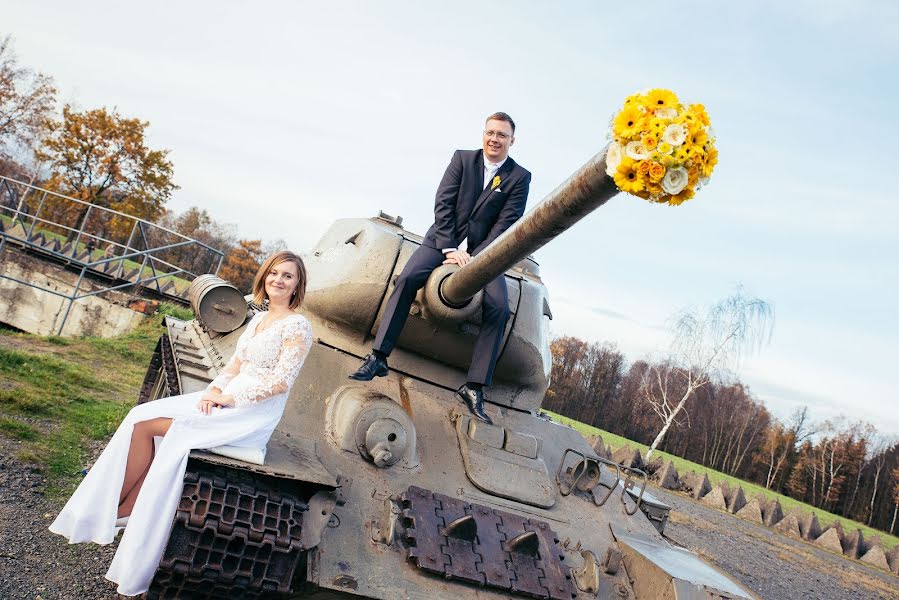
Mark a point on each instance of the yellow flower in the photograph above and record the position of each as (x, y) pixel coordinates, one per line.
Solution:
(643, 168)
(627, 122)
(701, 114)
(664, 148)
(627, 178)
(650, 141)
(683, 196)
(654, 188)
(634, 99)
(495, 184)
(681, 155)
(659, 98)
(656, 171)
(698, 137)
(711, 159)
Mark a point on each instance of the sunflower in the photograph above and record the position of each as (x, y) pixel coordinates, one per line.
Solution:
(711, 159)
(627, 123)
(659, 98)
(701, 114)
(627, 178)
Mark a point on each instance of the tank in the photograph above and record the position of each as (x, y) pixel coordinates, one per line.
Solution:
(388, 489)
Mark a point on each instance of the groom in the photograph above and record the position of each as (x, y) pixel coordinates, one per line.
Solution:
(481, 194)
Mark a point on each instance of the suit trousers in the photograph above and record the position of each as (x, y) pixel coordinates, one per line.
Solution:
(495, 313)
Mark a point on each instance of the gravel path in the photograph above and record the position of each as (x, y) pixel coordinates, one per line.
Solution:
(35, 564)
(773, 565)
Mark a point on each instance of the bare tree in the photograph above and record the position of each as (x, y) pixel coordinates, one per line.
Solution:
(26, 101)
(706, 347)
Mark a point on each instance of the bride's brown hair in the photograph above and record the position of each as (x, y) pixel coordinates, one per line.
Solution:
(277, 258)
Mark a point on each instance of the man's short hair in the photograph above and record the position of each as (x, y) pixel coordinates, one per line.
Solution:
(501, 116)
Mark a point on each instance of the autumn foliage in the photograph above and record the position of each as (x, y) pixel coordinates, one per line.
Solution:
(840, 466)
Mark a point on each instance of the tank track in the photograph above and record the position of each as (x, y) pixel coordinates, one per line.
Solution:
(162, 367)
(234, 536)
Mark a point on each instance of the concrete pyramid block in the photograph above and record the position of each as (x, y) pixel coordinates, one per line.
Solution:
(853, 544)
(653, 466)
(667, 477)
(699, 485)
(836, 526)
(874, 540)
(597, 444)
(876, 557)
(736, 500)
(773, 513)
(789, 525)
(808, 524)
(752, 511)
(830, 540)
(715, 498)
(628, 457)
(893, 559)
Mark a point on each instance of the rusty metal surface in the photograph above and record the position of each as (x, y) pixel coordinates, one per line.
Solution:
(660, 570)
(489, 557)
(218, 304)
(287, 456)
(234, 537)
(587, 189)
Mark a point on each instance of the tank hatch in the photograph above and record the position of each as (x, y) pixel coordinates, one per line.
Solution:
(505, 463)
(484, 545)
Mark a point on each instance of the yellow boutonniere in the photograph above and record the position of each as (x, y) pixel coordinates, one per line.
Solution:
(495, 184)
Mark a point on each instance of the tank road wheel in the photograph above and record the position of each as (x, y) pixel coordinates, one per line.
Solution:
(234, 536)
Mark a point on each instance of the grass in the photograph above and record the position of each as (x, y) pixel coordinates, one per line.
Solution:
(60, 394)
(715, 477)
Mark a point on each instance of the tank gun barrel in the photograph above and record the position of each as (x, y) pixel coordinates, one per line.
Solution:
(587, 189)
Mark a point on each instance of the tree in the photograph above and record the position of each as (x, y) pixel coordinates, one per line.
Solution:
(780, 443)
(705, 348)
(895, 477)
(26, 101)
(102, 158)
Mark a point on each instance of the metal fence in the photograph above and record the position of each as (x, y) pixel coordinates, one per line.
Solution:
(115, 249)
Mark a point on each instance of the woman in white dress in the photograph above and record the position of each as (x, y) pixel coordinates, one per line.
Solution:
(132, 484)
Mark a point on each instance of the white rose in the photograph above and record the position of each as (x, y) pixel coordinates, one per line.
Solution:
(636, 150)
(675, 180)
(613, 158)
(666, 113)
(675, 134)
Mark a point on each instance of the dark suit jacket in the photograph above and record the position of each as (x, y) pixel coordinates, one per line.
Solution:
(464, 208)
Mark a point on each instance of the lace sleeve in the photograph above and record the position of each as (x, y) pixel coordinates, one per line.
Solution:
(296, 340)
(232, 367)
(229, 372)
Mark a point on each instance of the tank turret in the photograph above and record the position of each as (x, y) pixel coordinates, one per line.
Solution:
(389, 489)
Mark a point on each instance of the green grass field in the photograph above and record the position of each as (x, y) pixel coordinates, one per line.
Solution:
(59, 394)
(715, 477)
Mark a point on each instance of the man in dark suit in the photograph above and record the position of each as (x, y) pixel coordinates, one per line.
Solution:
(481, 194)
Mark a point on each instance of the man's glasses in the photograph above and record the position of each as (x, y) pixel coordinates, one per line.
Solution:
(500, 135)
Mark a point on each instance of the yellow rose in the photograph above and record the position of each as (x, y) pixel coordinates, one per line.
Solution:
(656, 171)
(667, 161)
(650, 141)
(654, 187)
(643, 168)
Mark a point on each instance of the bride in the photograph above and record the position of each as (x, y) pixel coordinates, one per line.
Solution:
(136, 485)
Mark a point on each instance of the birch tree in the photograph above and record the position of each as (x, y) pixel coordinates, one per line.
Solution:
(706, 347)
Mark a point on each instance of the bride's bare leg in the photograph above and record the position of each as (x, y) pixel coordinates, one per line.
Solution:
(127, 504)
(140, 455)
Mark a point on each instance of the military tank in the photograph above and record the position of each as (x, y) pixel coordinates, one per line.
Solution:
(388, 489)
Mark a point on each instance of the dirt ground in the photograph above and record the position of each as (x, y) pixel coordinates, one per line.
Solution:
(37, 564)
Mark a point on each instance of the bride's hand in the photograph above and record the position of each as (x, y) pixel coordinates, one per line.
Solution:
(205, 406)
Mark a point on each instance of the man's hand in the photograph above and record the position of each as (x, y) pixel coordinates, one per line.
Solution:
(458, 257)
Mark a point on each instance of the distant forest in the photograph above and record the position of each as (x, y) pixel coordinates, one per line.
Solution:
(840, 466)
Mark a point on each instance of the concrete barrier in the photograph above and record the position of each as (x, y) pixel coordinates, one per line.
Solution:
(830, 540)
(736, 500)
(667, 477)
(752, 512)
(715, 498)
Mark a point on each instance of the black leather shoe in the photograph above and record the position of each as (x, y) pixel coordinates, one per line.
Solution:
(371, 368)
(474, 400)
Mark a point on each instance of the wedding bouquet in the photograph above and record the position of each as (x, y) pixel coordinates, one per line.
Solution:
(661, 150)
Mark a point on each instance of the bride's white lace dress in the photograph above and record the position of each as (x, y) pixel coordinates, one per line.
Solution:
(259, 375)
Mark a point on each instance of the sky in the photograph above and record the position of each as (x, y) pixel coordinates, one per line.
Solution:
(281, 117)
